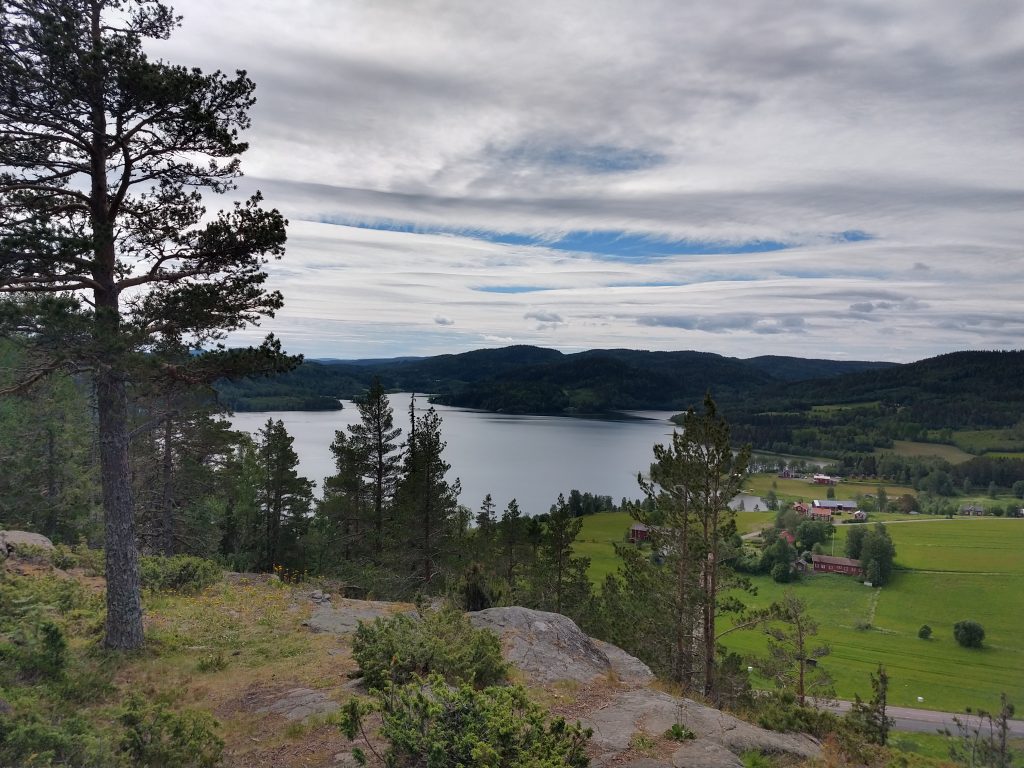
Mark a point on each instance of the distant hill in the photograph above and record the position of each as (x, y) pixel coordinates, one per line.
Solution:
(528, 379)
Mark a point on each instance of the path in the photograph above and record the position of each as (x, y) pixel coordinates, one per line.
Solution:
(927, 720)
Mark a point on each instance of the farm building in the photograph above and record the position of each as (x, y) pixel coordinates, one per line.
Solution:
(822, 514)
(860, 516)
(829, 564)
(801, 508)
(972, 510)
(639, 532)
(837, 505)
(820, 479)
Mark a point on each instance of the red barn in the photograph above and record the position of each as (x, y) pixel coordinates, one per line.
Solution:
(639, 532)
(829, 564)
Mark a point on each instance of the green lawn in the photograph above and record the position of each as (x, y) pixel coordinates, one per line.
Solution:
(950, 570)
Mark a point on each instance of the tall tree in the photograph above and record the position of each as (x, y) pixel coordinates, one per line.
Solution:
(428, 502)
(559, 580)
(104, 241)
(693, 480)
(373, 446)
(284, 497)
(792, 654)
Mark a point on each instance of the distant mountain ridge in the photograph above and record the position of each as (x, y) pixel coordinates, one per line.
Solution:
(528, 379)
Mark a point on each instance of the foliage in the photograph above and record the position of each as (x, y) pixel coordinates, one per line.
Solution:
(969, 634)
(181, 573)
(782, 573)
(430, 723)
(156, 736)
(869, 719)
(792, 661)
(780, 711)
(925, 632)
(104, 240)
(691, 484)
(982, 738)
(679, 732)
(396, 649)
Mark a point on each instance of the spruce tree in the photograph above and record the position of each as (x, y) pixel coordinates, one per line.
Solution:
(104, 240)
(283, 496)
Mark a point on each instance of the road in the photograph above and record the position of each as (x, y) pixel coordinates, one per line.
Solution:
(929, 721)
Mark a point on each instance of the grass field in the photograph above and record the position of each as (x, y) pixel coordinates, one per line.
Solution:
(792, 489)
(950, 570)
(979, 441)
(950, 453)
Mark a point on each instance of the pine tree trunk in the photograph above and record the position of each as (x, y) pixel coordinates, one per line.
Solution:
(124, 605)
(167, 494)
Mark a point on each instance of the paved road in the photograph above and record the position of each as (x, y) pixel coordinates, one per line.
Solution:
(929, 721)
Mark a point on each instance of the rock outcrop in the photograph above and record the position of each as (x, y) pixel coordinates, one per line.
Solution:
(548, 647)
(11, 540)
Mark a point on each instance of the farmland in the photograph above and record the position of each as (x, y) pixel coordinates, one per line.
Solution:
(948, 570)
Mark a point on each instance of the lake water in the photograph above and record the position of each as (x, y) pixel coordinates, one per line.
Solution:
(529, 458)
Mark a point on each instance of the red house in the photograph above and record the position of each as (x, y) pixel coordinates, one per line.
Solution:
(829, 564)
(639, 532)
(789, 537)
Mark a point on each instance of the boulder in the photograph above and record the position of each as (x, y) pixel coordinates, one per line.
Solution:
(654, 712)
(10, 540)
(344, 617)
(300, 704)
(548, 647)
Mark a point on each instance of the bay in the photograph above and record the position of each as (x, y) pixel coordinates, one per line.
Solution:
(529, 458)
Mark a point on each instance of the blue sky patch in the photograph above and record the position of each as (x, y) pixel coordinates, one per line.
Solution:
(511, 288)
(617, 245)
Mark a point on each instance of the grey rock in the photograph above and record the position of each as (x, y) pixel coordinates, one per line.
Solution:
(704, 753)
(655, 712)
(546, 646)
(343, 618)
(9, 540)
(628, 669)
(646, 762)
(300, 704)
(346, 760)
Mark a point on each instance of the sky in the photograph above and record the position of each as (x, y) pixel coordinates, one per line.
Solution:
(815, 178)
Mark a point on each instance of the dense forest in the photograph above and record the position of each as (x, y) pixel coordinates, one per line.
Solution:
(525, 379)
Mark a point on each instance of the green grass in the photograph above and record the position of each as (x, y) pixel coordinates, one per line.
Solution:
(831, 408)
(949, 570)
(792, 489)
(950, 453)
(602, 531)
(980, 441)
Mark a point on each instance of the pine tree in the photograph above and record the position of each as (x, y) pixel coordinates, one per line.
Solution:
(104, 241)
(283, 497)
(428, 502)
(376, 454)
(559, 580)
(512, 538)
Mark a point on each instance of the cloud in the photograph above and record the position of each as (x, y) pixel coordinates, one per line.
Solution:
(546, 321)
(669, 175)
(440, 320)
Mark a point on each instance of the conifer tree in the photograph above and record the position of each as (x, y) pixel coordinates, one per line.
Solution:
(104, 242)
(283, 496)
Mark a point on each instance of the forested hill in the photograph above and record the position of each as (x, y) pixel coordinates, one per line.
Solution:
(951, 390)
(526, 379)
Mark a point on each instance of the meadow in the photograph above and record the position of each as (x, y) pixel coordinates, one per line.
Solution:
(948, 571)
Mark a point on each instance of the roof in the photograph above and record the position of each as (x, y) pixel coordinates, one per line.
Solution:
(835, 503)
(830, 560)
(640, 527)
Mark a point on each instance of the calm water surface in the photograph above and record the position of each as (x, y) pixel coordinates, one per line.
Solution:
(529, 458)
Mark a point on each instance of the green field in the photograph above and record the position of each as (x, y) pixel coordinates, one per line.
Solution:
(792, 489)
(950, 570)
(950, 453)
(980, 441)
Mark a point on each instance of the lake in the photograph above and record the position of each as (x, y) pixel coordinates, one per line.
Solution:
(529, 458)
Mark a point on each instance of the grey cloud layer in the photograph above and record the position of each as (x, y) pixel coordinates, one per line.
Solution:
(726, 121)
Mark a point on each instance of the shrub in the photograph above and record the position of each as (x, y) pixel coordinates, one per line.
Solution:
(925, 632)
(443, 642)
(679, 732)
(181, 573)
(27, 738)
(156, 736)
(969, 634)
(782, 573)
(38, 651)
(430, 723)
(779, 711)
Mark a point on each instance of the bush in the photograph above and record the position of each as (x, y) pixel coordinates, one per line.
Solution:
(782, 573)
(156, 737)
(443, 642)
(430, 723)
(969, 634)
(925, 632)
(27, 738)
(181, 573)
(780, 712)
(37, 651)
